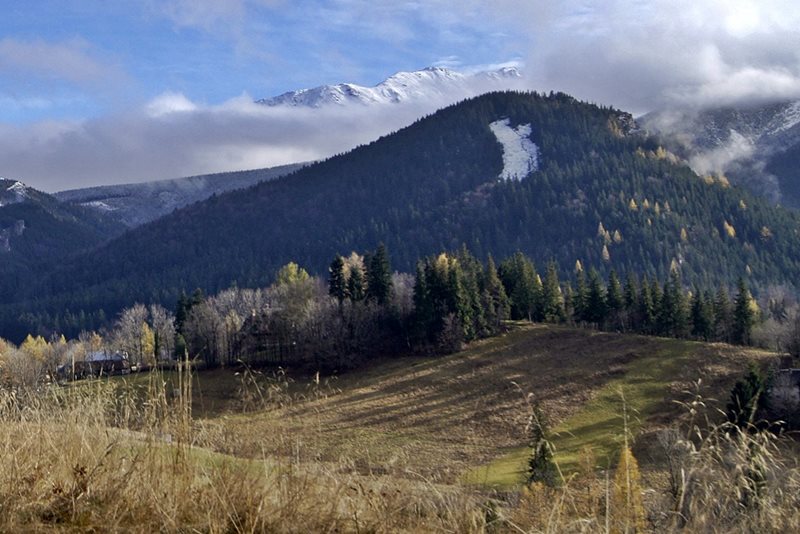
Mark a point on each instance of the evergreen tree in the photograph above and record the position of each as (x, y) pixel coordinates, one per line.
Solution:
(647, 308)
(630, 297)
(747, 398)
(337, 281)
(595, 311)
(702, 315)
(541, 466)
(744, 316)
(379, 276)
(495, 300)
(551, 299)
(614, 301)
(580, 297)
(181, 312)
(519, 279)
(723, 316)
(673, 319)
(355, 284)
(423, 321)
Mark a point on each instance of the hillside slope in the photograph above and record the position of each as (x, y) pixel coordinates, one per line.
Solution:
(757, 146)
(444, 417)
(38, 233)
(599, 193)
(136, 204)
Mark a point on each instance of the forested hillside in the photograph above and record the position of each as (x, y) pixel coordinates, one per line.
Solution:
(603, 195)
(37, 233)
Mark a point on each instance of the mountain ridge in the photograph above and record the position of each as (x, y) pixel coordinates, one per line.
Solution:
(139, 203)
(401, 87)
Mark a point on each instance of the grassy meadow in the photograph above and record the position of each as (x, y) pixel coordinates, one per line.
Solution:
(416, 444)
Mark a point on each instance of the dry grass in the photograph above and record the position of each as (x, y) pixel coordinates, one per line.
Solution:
(383, 450)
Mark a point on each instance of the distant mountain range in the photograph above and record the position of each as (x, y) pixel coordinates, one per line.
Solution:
(38, 232)
(544, 174)
(137, 204)
(430, 84)
(757, 146)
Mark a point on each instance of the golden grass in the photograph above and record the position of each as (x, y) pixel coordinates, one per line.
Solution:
(385, 449)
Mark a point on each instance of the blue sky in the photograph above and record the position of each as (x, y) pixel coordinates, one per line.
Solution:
(95, 92)
(110, 55)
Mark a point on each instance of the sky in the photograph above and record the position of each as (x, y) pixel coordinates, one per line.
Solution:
(95, 92)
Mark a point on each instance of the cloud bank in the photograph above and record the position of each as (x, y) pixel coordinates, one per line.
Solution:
(171, 136)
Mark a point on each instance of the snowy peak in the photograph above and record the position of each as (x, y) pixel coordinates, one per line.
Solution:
(12, 192)
(431, 82)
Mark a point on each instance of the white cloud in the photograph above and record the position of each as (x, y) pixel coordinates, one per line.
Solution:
(169, 102)
(171, 136)
(641, 55)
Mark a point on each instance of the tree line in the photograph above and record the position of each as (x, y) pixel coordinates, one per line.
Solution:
(365, 309)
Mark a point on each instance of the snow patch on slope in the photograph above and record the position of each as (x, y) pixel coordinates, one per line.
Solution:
(12, 194)
(520, 154)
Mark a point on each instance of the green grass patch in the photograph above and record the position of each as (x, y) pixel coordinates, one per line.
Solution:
(599, 425)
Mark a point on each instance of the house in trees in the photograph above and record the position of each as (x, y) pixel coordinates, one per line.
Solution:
(103, 363)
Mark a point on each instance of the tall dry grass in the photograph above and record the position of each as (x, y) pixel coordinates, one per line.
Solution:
(112, 456)
(108, 456)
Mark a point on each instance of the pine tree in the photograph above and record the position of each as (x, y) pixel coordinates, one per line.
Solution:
(494, 298)
(519, 279)
(581, 297)
(379, 276)
(551, 300)
(595, 311)
(647, 308)
(673, 317)
(423, 305)
(541, 466)
(630, 298)
(614, 300)
(355, 284)
(747, 398)
(181, 312)
(702, 315)
(744, 316)
(337, 281)
(723, 316)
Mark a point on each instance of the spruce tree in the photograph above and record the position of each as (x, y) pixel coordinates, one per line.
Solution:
(355, 284)
(595, 311)
(337, 281)
(614, 300)
(379, 276)
(541, 466)
(647, 308)
(630, 298)
(702, 315)
(723, 316)
(580, 297)
(519, 279)
(494, 298)
(746, 399)
(551, 299)
(744, 316)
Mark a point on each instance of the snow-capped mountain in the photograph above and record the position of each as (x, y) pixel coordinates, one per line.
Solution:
(136, 204)
(12, 192)
(430, 83)
(757, 146)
